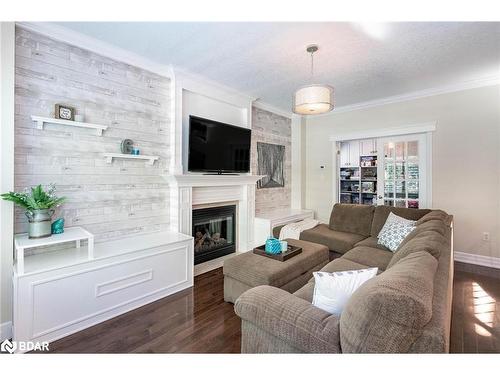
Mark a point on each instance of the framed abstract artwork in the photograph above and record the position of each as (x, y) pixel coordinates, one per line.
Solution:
(270, 164)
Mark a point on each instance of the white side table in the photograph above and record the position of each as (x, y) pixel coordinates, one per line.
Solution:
(264, 223)
(22, 242)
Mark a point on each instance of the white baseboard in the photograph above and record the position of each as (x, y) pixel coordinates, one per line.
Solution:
(480, 260)
(5, 331)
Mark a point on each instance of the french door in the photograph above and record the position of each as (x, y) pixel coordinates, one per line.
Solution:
(402, 171)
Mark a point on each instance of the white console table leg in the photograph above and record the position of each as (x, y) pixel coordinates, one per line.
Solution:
(90, 246)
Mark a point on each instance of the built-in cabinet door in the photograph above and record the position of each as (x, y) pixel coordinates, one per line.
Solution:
(401, 171)
(354, 153)
(368, 147)
(349, 154)
(344, 154)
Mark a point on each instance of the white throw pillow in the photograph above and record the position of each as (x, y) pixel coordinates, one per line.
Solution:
(394, 231)
(333, 290)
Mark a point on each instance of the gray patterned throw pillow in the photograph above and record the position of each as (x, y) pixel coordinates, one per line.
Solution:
(395, 231)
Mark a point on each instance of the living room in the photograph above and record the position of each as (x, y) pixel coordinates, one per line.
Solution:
(250, 187)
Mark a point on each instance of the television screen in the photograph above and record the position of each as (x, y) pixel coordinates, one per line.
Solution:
(218, 147)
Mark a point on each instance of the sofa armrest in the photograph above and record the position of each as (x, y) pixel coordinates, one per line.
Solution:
(290, 318)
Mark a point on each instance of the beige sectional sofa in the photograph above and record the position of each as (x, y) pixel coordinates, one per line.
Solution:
(406, 308)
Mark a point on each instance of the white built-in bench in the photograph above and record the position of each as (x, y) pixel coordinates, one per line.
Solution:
(64, 291)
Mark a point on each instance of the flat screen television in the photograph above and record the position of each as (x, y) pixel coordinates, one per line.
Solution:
(215, 147)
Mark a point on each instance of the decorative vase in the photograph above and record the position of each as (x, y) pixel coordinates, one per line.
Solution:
(39, 223)
(273, 246)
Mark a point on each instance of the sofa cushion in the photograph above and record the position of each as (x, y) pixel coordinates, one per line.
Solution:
(437, 226)
(369, 256)
(342, 264)
(434, 215)
(334, 240)
(382, 212)
(307, 291)
(352, 218)
(371, 242)
(388, 313)
(429, 241)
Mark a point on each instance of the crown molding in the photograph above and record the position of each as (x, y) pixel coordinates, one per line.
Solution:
(83, 41)
(385, 132)
(465, 85)
(271, 108)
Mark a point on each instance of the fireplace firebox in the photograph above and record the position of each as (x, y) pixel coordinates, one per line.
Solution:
(214, 232)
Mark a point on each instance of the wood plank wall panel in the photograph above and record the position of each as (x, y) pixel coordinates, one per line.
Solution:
(269, 127)
(110, 200)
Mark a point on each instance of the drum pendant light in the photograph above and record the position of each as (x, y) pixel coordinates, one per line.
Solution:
(313, 99)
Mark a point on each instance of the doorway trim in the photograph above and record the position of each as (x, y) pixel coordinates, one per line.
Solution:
(426, 128)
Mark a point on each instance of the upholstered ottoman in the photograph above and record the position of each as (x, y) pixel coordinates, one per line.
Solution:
(248, 270)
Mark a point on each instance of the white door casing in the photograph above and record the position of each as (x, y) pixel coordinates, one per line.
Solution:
(424, 129)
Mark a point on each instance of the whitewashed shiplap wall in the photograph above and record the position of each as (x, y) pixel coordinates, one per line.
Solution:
(110, 200)
(269, 127)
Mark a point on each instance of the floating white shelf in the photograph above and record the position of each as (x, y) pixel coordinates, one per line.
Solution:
(40, 121)
(76, 234)
(149, 158)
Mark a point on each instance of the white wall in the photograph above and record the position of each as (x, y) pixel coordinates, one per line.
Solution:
(465, 166)
(298, 172)
(7, 39)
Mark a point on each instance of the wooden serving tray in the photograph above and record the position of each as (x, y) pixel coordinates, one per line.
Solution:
(290, 253)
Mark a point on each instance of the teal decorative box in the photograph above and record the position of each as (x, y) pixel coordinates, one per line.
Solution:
(273, 246)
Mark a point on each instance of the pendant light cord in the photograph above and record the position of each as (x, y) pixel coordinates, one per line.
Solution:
(312, 66)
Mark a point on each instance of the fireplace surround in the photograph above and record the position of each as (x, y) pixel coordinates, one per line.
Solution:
(191, 191)
(214, 232)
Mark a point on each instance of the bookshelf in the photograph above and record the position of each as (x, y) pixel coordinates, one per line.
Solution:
(358, 177)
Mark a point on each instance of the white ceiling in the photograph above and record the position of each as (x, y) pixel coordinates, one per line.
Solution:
(268, 60)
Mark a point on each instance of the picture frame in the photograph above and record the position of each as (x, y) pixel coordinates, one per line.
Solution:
(65, 112)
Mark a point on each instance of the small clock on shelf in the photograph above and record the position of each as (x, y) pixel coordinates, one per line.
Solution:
(65, 112)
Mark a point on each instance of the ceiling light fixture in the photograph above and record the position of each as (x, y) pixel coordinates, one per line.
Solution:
(313, 99)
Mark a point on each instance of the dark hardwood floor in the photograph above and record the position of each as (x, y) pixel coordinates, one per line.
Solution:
(475, 324)
(199, 321)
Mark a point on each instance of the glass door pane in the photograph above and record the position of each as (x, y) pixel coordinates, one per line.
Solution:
(400, 171)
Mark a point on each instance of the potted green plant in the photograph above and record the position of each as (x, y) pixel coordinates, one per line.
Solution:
(39, 206)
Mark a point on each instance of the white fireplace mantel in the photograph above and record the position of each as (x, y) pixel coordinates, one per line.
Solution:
(200, 180)
(189, 190)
